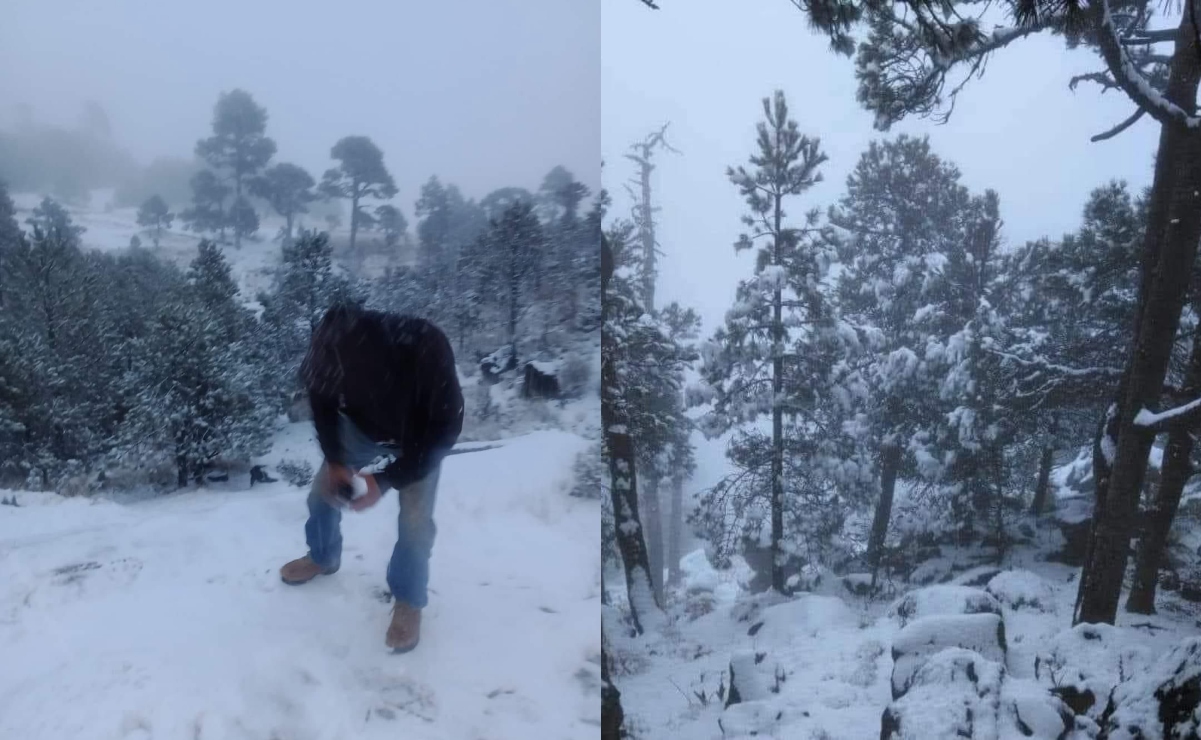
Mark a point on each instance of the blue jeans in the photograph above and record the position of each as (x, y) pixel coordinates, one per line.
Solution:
(408, 570)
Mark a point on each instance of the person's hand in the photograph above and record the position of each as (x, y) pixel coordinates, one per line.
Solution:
(338, 477)
(369, 499)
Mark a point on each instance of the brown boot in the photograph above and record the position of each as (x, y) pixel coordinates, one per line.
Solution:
(303, 570)
(405, 630)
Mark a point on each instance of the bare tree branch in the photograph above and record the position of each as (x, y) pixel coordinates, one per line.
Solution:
(1120, 127)
(1148, 36)
(1102, 78)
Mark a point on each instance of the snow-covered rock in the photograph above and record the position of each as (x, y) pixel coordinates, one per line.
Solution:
(1021, 589)
(916, 643)
(1163, 703)
(942, 600)
(936, 570)
(1086, 662)
(955, 694)
(752, 677)
(808, 614)
(752, 719)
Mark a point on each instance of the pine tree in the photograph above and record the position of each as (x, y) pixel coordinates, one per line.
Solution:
(156, 216)
(207, 215)
(289, 190)
(392, 222)
(239, 148)
(619, 449)
(756, 349)
(904, 67)
(50, 217)
(517, 242)
(360, 174)
(903, 217)
(242, 219)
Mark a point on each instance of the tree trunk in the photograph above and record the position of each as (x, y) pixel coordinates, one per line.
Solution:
(514, 292)
(622, 471)
(612, 716)
(288, 229)
(181, 472)
(1157, 525)
(890, 465)
(777, 419)
(1044, 481)
(354, 217)
(1170, 246)
(647, 234)
(675, 531)
(654, 534)
(237, 199)
(1177, 469)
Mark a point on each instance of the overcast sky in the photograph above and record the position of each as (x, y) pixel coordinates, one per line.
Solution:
(704, 65)
(483, 93)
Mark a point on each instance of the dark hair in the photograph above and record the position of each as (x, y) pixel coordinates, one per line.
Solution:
(322, 366)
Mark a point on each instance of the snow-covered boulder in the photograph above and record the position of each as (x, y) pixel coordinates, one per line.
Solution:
(807, 616)
(1021, 589)
(1162, 703)
(1028, 710)
(916, 643)
(753, 677)
(1084, 664)
(954, 694)
(809, 578)
(942, 600)
(935, 570)
(760, 718)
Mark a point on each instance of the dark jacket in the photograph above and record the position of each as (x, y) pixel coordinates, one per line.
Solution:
(394, 378)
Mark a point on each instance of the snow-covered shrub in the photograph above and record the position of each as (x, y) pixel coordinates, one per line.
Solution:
(1082, 665)
(1163, 702)
(296, 472)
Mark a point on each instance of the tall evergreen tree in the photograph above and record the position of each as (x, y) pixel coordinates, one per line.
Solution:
(360, 174)
(207, 214)
(239, 147)
(747, 367)
(392, 222)
(289, 190)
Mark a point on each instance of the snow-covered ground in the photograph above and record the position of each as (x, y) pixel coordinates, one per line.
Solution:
(109, 229)
(167, 619)
(823, 661)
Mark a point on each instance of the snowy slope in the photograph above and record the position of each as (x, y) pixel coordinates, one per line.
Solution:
(833, 652)
(167, 619)
(109, 229)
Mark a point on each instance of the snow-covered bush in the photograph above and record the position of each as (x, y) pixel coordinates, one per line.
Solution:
(296, 472)
(1163, 702)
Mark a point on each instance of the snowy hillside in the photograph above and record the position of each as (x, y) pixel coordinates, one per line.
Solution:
(109, 229)
(827, 664)
(167, 619)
